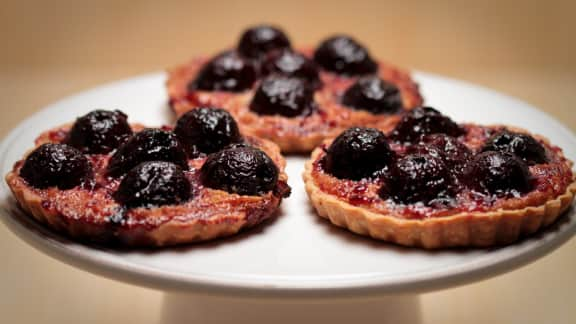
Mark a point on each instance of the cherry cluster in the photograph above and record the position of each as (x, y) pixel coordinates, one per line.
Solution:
(287, 79)
(152, 164)
(433, 164)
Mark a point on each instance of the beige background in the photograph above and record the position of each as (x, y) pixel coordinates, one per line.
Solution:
(51, 49)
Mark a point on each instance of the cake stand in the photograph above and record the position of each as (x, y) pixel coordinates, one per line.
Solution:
(297, 266)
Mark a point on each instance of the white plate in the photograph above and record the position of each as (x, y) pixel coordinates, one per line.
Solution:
(297, 253)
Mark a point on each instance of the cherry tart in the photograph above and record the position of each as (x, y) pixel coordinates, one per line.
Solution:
(104, 180)
(296, 98)
(433, 183)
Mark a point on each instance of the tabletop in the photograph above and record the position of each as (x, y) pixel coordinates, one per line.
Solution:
(54, 49)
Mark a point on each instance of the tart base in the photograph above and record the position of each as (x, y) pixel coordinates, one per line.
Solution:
(172, 232)
(466, 229)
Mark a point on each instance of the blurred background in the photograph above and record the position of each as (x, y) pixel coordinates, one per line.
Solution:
(54, 48)
(51, 49)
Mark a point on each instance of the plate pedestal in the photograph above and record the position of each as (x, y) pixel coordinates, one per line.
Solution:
(207, 309)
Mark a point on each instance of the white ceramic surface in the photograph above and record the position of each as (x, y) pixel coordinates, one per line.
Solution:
(296, 254)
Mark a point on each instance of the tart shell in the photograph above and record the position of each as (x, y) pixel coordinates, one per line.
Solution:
(173, 232)
(180, 228)
(465, 229)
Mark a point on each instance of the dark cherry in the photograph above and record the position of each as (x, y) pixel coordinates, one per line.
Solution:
(56, 165)
(285, 96)
(498, 173)
(99, 131)
(206, 130)
(424, 121)
(358, 153)
(228, 71)
(154, 183)
(523, 146)
(147, 145)
(244, 170)
(238, 145)
(417, 178)
(292, 64)
(344, 55)
(455, 154)
(260, 40)
(374, 95)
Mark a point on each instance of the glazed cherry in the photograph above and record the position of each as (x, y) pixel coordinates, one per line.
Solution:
(374, 95)
(523, 146)
(56, 165)
(498, 173)
(241, 169)
(284, 96)
(344, 55)
(206, 130)
(152, 184)
(417, 178)
(455, 154)
(147, 145)
(260, 40)
(292, 64)
(227, 71)
(99, 131)
(358, 153)
(424, 121)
